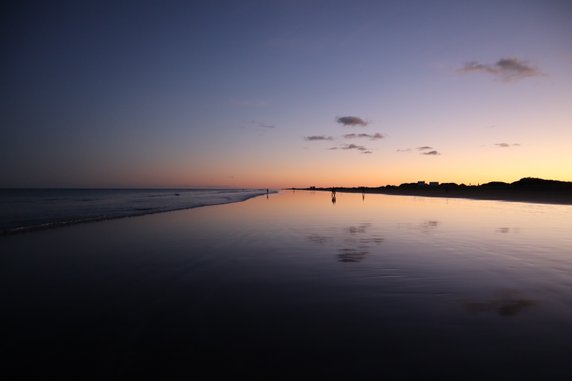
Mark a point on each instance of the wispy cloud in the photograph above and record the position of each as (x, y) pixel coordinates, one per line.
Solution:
(376, 136)
(258, 124)
(505, 69)
(431, 153)
(506, 145)
(317, 137)
(352, 147)
(351, 121)
(403, 150)
(424, 148)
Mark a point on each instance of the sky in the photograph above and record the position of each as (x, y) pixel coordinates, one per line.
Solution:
(277, 94)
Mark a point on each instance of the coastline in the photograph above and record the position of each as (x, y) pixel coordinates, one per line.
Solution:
(79, 219)
(558, 198)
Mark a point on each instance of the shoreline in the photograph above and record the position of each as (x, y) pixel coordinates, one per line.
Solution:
(80, 221)
(556, 198)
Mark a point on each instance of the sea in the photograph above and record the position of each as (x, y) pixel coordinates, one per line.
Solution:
(24, 210)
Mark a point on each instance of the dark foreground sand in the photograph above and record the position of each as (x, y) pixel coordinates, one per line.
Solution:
(294, 286)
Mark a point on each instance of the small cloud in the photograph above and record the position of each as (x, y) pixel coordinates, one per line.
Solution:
(351, 121)
(351, 147)
(506, 145)
(258, 124)
(317, 137)
(506, 69)
(431, 153)
(376, 136)
(367, 151)
(424, 148)
(263, 125)
(403, 150)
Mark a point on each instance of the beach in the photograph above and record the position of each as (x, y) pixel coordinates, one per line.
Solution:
(293, 285)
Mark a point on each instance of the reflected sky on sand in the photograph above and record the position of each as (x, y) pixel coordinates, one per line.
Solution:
(388, 287)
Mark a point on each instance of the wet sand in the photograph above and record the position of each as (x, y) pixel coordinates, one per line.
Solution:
(293, 285)
(562, 198)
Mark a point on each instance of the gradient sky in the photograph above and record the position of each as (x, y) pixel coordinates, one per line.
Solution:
(259, 93)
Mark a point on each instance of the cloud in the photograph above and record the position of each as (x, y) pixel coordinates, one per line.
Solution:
(317, 137)
(403, 150)
(352, 147)
(506, 145)
(431, 153)
(351, 121)
(263, 125)
(505, 69)
(376, 136)
(255, 123)
(424, 148)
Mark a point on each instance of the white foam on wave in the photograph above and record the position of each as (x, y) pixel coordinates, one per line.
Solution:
(37, 209)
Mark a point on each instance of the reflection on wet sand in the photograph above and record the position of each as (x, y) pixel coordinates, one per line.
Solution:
(376, 240)
(351, 255)
(359, 229)
(356, 245)
(431, 224)
(321, 239)
(505, 230)
(360, 246)
(424, 227)
(428, 226)
(507, 303)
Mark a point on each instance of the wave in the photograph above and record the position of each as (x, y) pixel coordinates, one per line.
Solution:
(30, 210)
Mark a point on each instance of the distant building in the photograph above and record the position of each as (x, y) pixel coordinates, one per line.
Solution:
(421, 183)
(433, 183)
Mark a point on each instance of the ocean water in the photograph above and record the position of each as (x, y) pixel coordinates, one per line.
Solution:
(32, 209)
(293, 286)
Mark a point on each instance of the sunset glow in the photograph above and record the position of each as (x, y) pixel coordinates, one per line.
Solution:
(286, 94)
